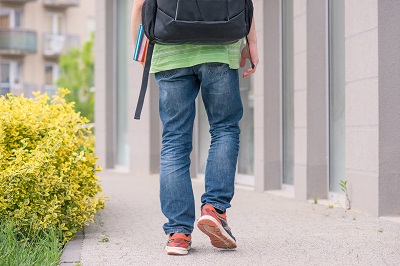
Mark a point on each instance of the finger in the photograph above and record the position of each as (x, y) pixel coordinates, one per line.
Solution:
(246, 75)
(249, 72)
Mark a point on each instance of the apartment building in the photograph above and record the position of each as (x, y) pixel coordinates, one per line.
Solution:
(322, 108)
(33, 34)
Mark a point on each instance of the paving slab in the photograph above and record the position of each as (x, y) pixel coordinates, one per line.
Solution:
(270, 230)
(72, 252)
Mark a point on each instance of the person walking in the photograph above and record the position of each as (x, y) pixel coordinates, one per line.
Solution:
(181, 72)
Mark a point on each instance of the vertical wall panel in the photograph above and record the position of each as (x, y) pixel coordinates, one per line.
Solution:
(104, 83)
(389, 107)
(267, 149)
(362, 141)
(300, 100)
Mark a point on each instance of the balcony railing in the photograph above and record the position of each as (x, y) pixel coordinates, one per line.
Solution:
(60, 3)
(16, 1)
(17, 89)
(17, 42)
(49, 89)
(54, 44)
(4, 89)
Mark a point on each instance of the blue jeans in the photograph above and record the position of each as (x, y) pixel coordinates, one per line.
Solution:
(221, 96)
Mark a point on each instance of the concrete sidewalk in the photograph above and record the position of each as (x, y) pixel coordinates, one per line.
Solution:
(270, 230)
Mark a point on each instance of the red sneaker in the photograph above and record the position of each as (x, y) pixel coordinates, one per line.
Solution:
(178, 244)
(215, 226)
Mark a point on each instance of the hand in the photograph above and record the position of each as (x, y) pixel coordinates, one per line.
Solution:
(249, 49)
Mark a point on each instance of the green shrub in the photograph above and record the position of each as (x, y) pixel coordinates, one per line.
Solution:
(47, 165)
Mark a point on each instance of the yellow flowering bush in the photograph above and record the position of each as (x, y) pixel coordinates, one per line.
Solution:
(47, 165)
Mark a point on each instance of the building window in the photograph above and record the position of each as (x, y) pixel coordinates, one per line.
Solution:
(11, 77)
(17, 19)
(245, 168)
(55, 23)
(336, 94)
(5, 73)
(10, 19)
(52, 73)
(5, 78)
(287, 92)
(90, 27)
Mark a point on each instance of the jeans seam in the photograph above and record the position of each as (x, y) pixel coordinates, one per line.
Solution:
(216, 206)
(178, 231)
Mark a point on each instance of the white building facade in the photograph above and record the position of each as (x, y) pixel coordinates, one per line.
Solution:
(323, 107)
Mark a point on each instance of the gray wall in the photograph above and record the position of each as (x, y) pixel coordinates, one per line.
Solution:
(317, 105)
(389, 107)
(104, 83)
(362, 123)
(267, 98)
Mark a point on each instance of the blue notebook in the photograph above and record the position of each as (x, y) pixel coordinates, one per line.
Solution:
(138, 42)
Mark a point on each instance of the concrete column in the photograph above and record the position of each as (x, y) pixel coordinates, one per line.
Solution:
(362, 112)
(300, 98)
(267, 98)
(104, 83)
(317, 123)
(389, 107)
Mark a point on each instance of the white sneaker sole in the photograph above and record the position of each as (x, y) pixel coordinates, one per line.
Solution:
(177, 250)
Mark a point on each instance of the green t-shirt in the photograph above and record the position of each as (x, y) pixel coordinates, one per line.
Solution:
(167, 57)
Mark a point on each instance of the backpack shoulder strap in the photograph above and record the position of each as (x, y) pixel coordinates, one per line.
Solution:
(145, 79)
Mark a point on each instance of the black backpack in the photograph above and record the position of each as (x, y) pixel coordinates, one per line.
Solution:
(197, 21)
(192, 21)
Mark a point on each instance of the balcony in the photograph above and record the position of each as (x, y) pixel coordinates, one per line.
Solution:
(17, 89)
(60, 3)
(54, 45)
(17, 42)
(50, 89)
(16, 1)
(4, 89)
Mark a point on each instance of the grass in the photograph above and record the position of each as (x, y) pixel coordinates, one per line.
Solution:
(343, 187)
(44, 250)
(315, 200)
(103, 239)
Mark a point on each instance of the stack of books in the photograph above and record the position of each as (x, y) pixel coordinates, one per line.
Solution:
(142, 43)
